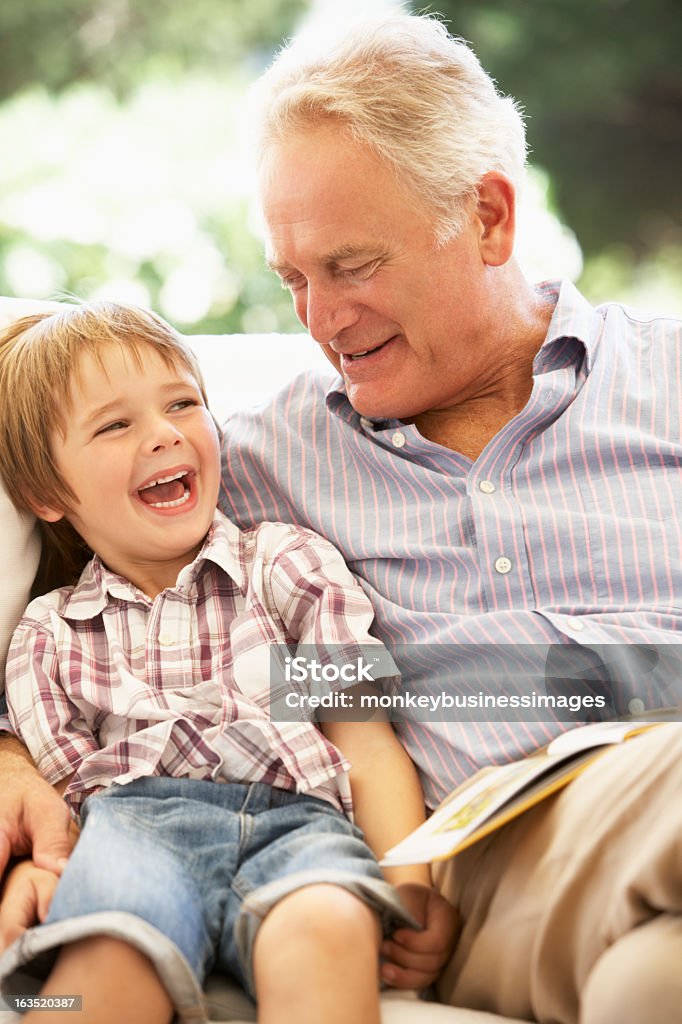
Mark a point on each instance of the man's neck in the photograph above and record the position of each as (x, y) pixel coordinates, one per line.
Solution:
(468, 426)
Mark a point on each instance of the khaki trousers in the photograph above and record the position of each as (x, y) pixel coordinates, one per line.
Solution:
(571, 914)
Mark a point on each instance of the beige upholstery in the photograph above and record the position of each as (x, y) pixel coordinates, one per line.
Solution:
(228, 1003)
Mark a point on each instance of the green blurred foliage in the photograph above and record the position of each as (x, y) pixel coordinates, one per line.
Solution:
(120, 43)
(601, 83)
(122, 135)
(122, 167)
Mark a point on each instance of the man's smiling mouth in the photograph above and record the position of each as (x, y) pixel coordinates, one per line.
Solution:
(357, 356)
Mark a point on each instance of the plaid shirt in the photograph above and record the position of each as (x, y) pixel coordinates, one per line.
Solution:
(107, 683)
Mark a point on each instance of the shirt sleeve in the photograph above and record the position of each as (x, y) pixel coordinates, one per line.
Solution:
(323, 606)
(52, 727)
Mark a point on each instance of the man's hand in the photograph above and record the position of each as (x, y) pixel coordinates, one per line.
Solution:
(415, 959)
(25, 900)
(33, 818)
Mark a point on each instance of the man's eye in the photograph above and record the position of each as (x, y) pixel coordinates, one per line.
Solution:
(363, 271)
(293, 284)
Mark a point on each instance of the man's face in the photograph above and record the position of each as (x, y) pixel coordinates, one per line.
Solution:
(141, 454)
(405, 322)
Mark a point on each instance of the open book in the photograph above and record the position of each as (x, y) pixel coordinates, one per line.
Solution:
(495, 795)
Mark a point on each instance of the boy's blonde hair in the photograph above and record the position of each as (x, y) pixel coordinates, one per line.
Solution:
(40, 359)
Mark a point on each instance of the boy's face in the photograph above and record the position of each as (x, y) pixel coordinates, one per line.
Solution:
(142, 455)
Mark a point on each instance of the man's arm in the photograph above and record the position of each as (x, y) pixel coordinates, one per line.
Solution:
(28, 889)
(388, 804)
(33, 818)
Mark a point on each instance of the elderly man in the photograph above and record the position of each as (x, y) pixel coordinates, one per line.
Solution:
(499, 464)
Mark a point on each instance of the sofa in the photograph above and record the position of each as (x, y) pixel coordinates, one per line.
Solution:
(240, 370)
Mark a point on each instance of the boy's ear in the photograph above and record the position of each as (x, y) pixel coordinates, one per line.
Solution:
(45, 512)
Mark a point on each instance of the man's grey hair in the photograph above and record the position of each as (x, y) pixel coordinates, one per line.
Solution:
(417, 96)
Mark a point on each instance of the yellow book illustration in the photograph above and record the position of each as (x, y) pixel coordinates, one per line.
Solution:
(495, 795)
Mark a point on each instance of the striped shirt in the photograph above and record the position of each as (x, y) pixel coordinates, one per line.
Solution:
(564, 531)
(107, 683)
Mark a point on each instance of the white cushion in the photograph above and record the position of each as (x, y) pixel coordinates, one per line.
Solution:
(19, 549)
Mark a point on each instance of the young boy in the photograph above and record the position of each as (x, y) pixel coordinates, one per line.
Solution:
(145, 684)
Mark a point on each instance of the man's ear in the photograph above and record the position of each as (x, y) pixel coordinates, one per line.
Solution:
(496, 214)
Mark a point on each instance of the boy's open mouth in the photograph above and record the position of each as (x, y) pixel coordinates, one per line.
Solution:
(167, 491)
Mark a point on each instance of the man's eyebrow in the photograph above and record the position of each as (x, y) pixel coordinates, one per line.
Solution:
(343, 252)
(353, 252)
(277, 268)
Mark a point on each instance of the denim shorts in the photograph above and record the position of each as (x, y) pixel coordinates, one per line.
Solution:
(186, 871)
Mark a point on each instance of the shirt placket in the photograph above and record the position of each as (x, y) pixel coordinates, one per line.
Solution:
(497, 513)
(168, 647)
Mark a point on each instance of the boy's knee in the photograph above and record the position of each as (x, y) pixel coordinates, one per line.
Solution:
(637, 978)
(322, 917)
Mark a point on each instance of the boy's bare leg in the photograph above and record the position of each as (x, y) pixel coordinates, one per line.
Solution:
(316, 959)
(116, 981)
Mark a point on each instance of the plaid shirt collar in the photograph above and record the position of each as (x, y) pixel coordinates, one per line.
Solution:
(98, 585)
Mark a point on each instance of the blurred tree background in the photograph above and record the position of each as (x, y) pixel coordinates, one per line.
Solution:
(601, 83)
(123, 168)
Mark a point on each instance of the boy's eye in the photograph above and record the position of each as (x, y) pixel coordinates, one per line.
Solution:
(116, 425)
(184, 403)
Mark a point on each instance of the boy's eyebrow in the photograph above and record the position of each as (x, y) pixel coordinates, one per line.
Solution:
(99, 411)
(113, 406)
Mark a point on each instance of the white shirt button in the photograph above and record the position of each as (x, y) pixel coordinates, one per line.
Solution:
(166, 640)
(399, 440)
(503, 565)
(577, 625)
(487, 486)
(636, 706)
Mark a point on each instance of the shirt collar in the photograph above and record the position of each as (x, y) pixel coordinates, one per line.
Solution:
(573, 318)
(223, 546)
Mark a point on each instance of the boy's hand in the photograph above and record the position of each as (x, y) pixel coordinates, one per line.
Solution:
(415, 959)
(25, 900)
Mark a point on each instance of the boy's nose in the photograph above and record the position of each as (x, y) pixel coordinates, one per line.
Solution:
(164, 435)
(160, 445)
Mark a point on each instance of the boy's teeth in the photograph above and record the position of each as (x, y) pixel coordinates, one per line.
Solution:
(171, 504)
(166, 479)
(165, 491)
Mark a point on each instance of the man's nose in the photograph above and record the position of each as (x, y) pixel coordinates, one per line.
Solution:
(329, 310)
